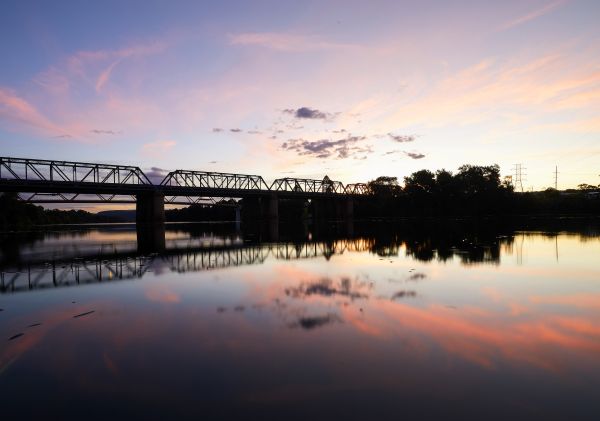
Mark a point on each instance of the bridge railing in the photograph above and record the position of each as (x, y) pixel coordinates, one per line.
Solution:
(70, 172)
(216, 180)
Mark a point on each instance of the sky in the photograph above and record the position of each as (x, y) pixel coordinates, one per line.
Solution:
(351, 89)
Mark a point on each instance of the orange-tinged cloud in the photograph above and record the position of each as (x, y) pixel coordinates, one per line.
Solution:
(481, 340)
(583, 300)
(162, 294)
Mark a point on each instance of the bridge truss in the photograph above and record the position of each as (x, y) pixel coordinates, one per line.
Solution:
(53, 181)
(70, 172)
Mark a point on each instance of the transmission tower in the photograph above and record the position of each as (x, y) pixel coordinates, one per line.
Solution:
(519, 176)
(556, 177)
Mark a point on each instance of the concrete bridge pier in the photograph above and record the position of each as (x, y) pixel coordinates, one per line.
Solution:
(345, 208)
(332, 208)
(150, 208)
(150, 221)
(238, 218)
(150, 238)
(272, 211)
(262, 208)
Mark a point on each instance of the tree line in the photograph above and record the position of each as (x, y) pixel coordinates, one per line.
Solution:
(473, 190)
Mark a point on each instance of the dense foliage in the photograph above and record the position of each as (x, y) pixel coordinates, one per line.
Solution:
(471, 191)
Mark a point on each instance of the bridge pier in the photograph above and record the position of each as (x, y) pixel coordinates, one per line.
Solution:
(348, 209)
(150, 208)
(150, 221)
(272, 211)
(150, 238)
(332, 208)
(261, 208)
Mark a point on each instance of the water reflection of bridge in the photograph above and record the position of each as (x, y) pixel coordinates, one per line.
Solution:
(80, 269)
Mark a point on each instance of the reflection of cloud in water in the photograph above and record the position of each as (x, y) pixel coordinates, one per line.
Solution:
(416, 277)
(404, 294)
(326, 287)
(312, 322)
(161, 294)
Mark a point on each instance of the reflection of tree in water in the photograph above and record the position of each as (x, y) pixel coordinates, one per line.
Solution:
(427, 240)
(11, 243)
(470, 240)
(469, 249)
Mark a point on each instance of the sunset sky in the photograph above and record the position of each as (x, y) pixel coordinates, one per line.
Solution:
(352, 89)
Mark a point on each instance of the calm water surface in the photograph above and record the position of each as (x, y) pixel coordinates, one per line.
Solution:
(351, 322)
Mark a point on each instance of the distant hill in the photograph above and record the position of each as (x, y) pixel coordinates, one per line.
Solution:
(191, 213)
(15, 214)
(118, 215)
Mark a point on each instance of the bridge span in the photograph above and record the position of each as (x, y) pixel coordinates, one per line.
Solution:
(52, 181)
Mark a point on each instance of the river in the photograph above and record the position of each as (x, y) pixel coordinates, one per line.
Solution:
(416, 319)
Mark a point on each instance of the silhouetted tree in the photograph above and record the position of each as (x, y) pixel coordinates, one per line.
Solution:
(385, 186)
(420, 182)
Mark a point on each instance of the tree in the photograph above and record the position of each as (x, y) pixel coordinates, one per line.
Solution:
(444, 182)
(586, 187)
(420, 182)
(384, 186)
(475, 179)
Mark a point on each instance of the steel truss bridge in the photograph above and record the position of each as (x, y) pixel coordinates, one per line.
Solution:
(105, 266)
(50, 181)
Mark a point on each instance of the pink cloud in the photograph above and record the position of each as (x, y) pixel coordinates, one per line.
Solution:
(158, 148)
(162, 294)
(104, 76)
(285, 41)
(19, 112)
(574, 300)
(533, 15)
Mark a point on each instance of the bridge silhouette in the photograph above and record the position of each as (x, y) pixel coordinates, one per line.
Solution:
(74, 267)
(51, 181)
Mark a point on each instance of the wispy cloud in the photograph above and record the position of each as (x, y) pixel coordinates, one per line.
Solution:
(158, 148)
(491, 89)
(17, 111)
(104, 76)
(285, 41)
(108, 132)
(325, 148)
(84, 63)
(533, 15)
